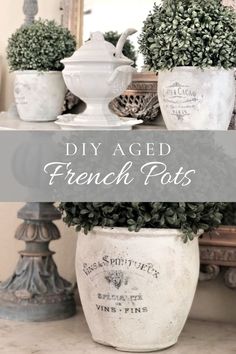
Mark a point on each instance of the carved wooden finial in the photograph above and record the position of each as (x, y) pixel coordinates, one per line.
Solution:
(30, 9)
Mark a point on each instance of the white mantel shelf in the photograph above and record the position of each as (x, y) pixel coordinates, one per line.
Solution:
(72, 337)
(8, 122)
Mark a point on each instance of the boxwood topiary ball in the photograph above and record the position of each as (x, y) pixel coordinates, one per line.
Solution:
(40, 46)
(198, 33)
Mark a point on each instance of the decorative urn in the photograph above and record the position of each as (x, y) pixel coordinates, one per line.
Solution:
(97, 73)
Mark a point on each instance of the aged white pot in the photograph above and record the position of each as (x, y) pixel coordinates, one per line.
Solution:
(196, 99)
(136, 289)
(39, 96)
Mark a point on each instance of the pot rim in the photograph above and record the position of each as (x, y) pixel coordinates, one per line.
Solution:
(147, 232)
(51, 72)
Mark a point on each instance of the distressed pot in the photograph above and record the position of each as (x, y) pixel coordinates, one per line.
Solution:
(39, 96)
(136, 289)
(195, 99)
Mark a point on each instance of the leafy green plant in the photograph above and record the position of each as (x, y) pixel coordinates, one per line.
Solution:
(189, 217)
(128, 50)
(40, 46)
(229, 214)
(198, 33)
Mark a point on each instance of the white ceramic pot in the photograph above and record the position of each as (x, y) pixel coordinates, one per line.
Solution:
(39, 96)
(196, 99)
(136, 289)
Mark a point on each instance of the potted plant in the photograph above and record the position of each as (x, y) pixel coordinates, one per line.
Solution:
(192, 45)
(137, 288)
(34, 53)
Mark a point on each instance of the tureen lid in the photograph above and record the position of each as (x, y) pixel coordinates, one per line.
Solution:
(96, 49)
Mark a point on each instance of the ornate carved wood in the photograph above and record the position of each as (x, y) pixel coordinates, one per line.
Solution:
(36, 291)
(218, 252)
(140, 100)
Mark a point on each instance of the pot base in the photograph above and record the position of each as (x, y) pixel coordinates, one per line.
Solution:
(40, 120)
(25, 311)
(138, 350)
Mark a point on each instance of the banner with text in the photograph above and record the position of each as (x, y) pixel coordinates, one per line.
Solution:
(117, 166)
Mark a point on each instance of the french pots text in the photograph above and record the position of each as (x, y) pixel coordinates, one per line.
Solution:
(120, 173)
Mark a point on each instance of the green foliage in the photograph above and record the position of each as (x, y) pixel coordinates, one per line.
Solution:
(40, 46)
(128, 50)
(198, 33)
(189, 217)
(229, 215)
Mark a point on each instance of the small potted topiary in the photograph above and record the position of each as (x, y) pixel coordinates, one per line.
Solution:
(192, 44)
(34, 53)
(137, 288)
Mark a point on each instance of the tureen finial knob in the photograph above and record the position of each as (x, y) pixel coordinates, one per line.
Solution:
(97, 36)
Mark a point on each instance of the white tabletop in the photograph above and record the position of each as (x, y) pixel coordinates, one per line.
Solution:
(9, 122)
(72, 336)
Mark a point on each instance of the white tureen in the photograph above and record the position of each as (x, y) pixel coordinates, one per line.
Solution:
(97, 73)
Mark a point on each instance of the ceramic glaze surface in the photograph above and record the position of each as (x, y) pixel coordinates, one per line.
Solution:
(136, 289)
(39, 96)
(196, 99)
(97, 73)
